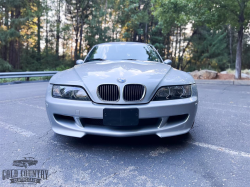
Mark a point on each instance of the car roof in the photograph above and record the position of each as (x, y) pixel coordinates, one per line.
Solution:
(117, 43)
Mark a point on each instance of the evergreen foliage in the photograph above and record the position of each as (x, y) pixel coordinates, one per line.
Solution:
(209, 50)
(51, 34)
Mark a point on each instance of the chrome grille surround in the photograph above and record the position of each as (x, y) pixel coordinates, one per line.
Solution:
(108, 92)
(134, 92)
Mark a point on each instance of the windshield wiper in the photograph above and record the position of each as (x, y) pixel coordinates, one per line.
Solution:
(97, 59)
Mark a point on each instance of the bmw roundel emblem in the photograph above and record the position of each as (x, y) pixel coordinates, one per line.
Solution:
(121, 80)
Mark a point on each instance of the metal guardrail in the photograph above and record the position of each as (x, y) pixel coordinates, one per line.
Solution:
(27, 74)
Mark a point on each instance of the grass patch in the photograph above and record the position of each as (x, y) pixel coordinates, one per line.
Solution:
(23, 79)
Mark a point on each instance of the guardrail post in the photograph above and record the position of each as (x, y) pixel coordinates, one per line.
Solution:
(27, 78)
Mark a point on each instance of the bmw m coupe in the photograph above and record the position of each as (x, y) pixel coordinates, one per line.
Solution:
(122, 89)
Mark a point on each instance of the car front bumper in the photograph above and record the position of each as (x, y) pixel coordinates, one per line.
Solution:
(176, 117)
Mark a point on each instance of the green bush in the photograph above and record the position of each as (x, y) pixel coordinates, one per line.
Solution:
(4, 66)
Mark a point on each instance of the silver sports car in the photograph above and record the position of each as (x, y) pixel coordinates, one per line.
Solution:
(122, 89)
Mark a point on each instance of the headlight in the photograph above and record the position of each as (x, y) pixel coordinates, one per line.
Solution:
(173, 92)
(69, 92)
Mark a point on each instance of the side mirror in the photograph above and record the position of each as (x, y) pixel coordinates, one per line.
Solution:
(79, 62)
(168, 61)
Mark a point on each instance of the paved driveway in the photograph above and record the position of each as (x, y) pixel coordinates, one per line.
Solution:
(216, 153)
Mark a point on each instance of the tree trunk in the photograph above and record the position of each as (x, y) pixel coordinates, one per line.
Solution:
(58, 23)
(81, 32)
(14, 49)
(39, 31)
(105, 19)
(76, 33)
(230, 45)
(11, 53)
(239, 54)
(47, 33)
(188, 43)
(4, 52)
(17, 42)
(176, 45)
(6, 24)
(172, 46)
(146, 33)
(179, 52)
(71, 50)
(63, 46)
(38, 38)
(168, 44)
(76, 42)
(139, 36)
(134, 36)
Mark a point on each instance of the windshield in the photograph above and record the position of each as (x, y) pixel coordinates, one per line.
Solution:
(142, 52)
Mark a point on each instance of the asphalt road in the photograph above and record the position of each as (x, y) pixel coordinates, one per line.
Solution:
(216, 153)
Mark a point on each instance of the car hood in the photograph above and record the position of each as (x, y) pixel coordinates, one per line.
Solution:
(134, 72)
(90, 75)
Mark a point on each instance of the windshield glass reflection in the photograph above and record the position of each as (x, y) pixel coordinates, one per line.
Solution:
(141, 52)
